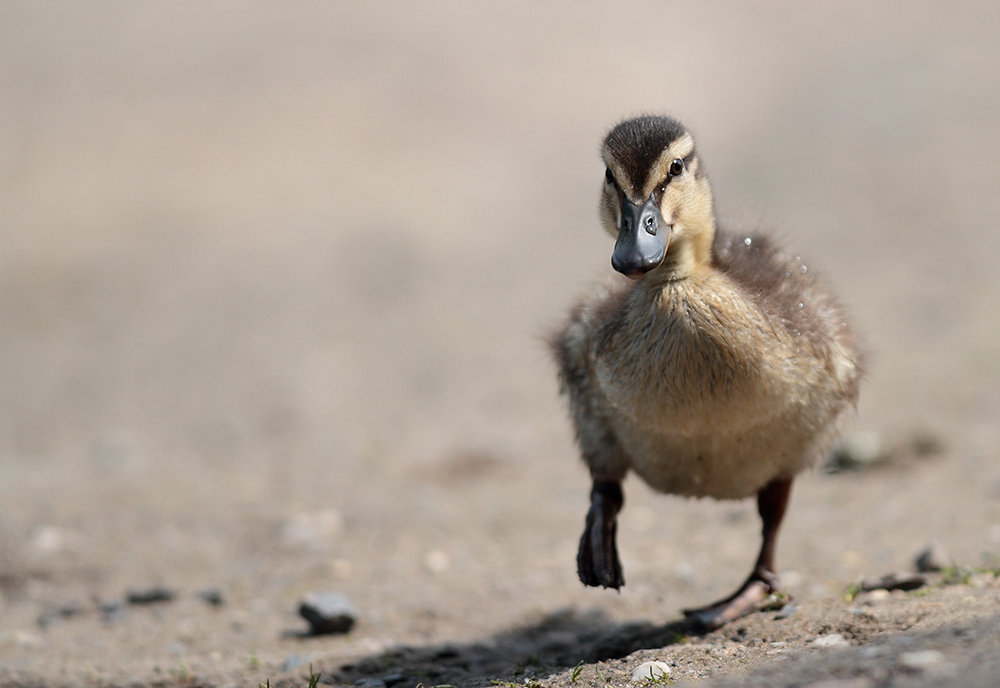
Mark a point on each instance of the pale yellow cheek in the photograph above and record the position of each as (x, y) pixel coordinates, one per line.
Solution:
(610, 215)
(670, 206)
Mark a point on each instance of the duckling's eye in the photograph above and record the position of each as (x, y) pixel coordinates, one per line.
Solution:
(677, 167)
(608, 177)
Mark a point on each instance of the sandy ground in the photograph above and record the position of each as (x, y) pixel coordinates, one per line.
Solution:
(273, 287)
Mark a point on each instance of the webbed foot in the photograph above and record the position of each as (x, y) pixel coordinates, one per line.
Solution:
(763, 582)
(597, 561)
(753, 596)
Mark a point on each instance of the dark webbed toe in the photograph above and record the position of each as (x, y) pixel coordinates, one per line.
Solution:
(597, 560)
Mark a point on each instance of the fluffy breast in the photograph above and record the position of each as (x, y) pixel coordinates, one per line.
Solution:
(693, 356)
(713, 394)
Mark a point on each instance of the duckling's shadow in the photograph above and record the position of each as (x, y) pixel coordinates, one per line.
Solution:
(559, 641)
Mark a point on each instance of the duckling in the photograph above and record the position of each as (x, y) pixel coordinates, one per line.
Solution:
(715, 365)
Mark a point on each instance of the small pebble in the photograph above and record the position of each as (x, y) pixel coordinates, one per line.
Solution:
(858, 451)
(437, 561)
(873, 597)
(212, 596)
(932, 558)
(651, 671)
(894, 581)
(328, 612)
(921, 660)
(48, 619)
(111, 612)
(830, 640)
(926, 444)
(150, 595)
(393, 679)
(786, 611)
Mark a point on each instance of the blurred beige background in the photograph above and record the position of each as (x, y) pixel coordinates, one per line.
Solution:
(264, 265)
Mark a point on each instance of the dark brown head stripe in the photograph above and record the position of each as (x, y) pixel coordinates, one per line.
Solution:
(636, 144)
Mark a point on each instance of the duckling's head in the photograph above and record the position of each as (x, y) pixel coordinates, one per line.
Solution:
(656, 200)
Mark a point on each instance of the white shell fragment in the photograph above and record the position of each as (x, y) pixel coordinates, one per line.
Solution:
(651, 671)
(831, 640)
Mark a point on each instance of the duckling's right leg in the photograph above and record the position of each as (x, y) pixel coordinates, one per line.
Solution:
(597, 561)
(763, 580)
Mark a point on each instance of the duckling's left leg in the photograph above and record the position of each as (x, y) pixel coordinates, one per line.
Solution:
(771, 503)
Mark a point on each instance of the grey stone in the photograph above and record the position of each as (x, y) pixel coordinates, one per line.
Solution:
(926, 444)
(212, 596)
(328, 612)
(858, 451)
(111, 612)
(788, 610)
(150, 595)
(932, 558)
